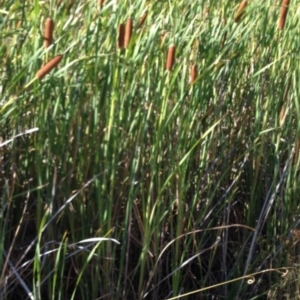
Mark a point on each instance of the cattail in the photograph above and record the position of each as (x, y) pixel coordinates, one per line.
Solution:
(121, 35)
(49, 26)
(171, 57)
(41, 73)
(240, 11)
(194, 72)
(283, 13)
(143, 19)
(128, 32)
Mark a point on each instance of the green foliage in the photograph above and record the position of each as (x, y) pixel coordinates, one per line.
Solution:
(122, 180)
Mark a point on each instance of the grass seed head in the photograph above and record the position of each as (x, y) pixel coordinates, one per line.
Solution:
(283, 13)
(240, 11)
(128, 32)
(171, 57)
(42, 72)
(194, 72)
(48, 38)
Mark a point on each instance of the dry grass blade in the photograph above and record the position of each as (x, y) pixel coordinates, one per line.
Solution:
(171, 57)
(194, 72)
(284, 110)
(163, 36)
(48, 38)
(121, 35)
(128, 32)
(283, 13)
(48, 67)
(100, 3)
(143, 19)
(282, 115)
(240, 11)
(297, 151)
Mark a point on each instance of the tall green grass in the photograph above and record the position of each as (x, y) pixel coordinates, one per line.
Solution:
(120, 179)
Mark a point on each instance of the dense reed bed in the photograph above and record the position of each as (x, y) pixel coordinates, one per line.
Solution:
(158, 159)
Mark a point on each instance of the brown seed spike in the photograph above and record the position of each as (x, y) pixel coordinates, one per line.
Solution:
(171, 57)
(42, 72)
(194, 72)
(128, 32)
(283, 13)
(49, 27)
(240, 11)
(143, 19)
(121, 35)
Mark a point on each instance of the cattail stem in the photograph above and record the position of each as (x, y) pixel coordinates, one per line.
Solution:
(41, 73)
(194, 73)
(48, 38)
(283, 13)
(121, 35)
(171, 57)
(240, 11)
(128, 32)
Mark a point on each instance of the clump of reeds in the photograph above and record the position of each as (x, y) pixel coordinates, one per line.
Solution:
(128, 32)
(48, 38)
(143, 19)
(283, 13)
(193, 74)
(170, 57)
(121, 36)
(42, 72)
(240, 11)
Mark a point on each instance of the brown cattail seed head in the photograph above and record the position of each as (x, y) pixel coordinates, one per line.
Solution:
(171, 57)
(42, 72)
(49, 27)
(194, 74)
(121, 36)
(283, 13)
(240, 11)
(143, 19)
(128, 32)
